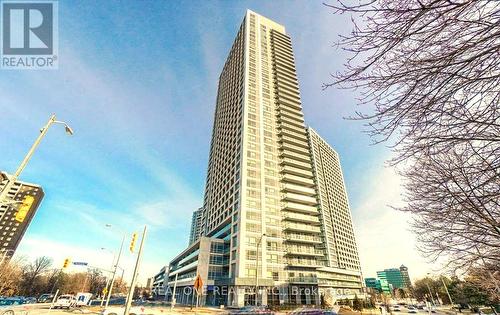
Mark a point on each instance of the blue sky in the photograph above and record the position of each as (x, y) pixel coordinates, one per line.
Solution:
(137, 81)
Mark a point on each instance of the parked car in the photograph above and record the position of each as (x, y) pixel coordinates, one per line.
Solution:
(10, 301)
(45, 298)
(29, 300)
(65, 301)
(412, 309)
(12, 306)
(396, 308)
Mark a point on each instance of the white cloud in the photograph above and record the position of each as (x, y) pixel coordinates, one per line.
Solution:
(383, 235)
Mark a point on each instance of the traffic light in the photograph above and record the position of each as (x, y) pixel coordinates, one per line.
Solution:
(24, 208)
(132, 242)
(66, 263)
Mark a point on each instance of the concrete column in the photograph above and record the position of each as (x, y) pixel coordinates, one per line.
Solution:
(263, 296)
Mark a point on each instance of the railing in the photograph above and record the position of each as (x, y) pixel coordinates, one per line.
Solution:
(299, 207)
(298, 179)
(303, 237)
(302, 227)
(301, 217)
(296, 163)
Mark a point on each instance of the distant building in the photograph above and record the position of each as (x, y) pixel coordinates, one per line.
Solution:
(196, 221)
(398, 278)
(158, 284)
(380, 285)
(406, 276)
(16, 217)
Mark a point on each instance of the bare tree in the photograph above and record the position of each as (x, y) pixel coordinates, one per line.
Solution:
(31, 281)
(9, 277)
(430, 69)
(96, 280)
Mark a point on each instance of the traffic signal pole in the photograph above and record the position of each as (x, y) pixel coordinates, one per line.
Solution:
(134, 275)
(110, 290)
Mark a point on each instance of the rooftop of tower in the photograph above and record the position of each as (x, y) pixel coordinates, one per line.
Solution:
(268, 22)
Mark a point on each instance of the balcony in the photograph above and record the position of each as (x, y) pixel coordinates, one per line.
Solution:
(289, 216)
(290, 121)
(291, 206)
(282, 80)
(304, 228)
(296, 171)
(284, 72)
(290, 103)
(311, 263)
(289, 147)
(303, 238)
(299, 199)
(301, 136)
(290, 111)
(301, 143)
(292, 93)
(286, 57)
(301, 157)
(292, 250)
(294, 128)
(281, 48)
(298, 180)
(291, 117)
(303, 280)
(292, 164)
(285, 63)
(299, 189)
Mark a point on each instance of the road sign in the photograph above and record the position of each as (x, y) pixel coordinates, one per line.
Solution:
(198, 283)
(80, 263)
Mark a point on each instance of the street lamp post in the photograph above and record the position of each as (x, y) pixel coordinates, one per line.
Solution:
(12, 179)
(114, 270)
(257, 271)
(447, 292)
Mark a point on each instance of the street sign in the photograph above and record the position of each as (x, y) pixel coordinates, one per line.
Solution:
(198, 283)
(80, 263)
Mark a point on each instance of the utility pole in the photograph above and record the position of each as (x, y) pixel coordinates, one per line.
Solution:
(173, 294)
(110, 290)
(134, 275)
(257, 271)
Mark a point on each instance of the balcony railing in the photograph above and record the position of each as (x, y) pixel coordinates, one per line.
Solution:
(301, 227)
(298, 180)
(301, 143)
(303, 280)
(292, 163)
(301, 218)
(296, 171)
(299, 199)
(305, 252)
(291, 206)
(292, 155)
(299, 189)
(303, 238)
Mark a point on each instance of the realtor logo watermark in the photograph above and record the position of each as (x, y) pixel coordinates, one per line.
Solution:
(29, 34)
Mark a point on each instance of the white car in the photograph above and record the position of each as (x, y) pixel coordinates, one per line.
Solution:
(65, 301)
